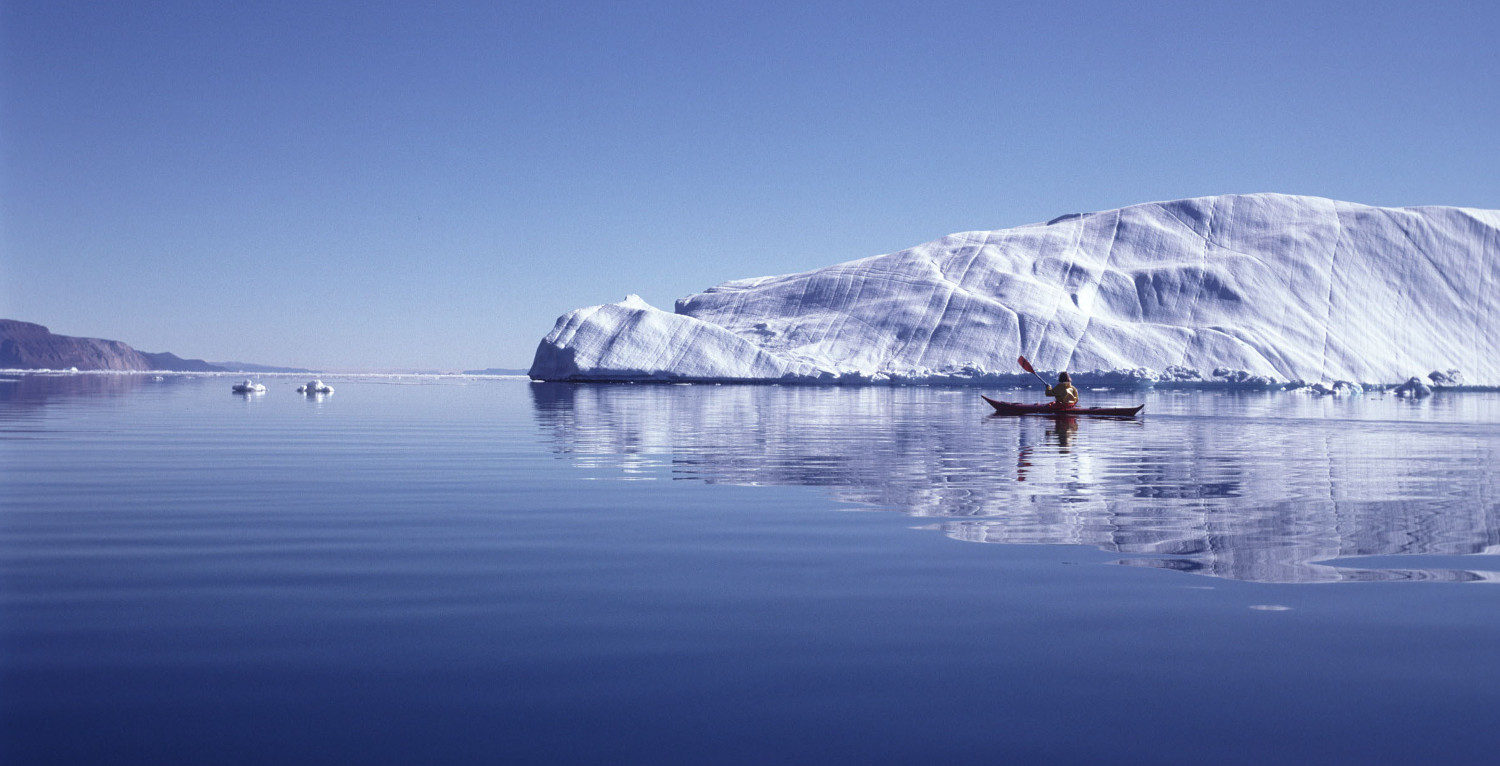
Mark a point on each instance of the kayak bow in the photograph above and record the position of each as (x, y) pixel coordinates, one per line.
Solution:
(1017, 408)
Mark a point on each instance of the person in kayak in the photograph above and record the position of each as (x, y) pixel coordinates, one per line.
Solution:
(1064, 392)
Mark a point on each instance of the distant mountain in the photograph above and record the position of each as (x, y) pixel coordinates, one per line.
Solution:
(27, 346)
(494, 371)
(252, 367)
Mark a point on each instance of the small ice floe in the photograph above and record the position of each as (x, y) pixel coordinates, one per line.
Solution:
(1446, 379)
(1242, 378)
(248, 387)
(1347, 388)
(315, 387)
(1270, 608)
(1336, 388)
(1413, 388)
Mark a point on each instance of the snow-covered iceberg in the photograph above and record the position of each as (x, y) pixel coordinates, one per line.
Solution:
(1262, 287)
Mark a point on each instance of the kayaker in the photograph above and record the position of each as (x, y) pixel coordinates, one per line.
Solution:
(1064, 392)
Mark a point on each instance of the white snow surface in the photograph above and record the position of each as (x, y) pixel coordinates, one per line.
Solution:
(1264, 287)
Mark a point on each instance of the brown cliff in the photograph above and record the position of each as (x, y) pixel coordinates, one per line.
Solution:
(27, 346)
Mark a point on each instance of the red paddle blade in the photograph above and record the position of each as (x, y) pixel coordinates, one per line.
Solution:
(1025, 365)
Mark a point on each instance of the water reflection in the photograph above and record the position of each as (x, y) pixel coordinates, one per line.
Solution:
(23, 396)
(38, 389)
(1265, 488)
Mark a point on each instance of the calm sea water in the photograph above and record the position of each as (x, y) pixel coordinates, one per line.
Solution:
(458, 571)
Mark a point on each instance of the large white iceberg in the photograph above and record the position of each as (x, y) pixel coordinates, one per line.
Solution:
(1274, 286)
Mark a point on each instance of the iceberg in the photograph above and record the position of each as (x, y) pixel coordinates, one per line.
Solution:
(1255, 289)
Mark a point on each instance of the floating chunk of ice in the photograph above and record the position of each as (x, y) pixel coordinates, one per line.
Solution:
(1413, 388)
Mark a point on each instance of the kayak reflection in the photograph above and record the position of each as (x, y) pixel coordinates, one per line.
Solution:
(1059, 433)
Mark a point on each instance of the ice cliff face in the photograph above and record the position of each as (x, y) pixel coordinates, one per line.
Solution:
(1278, 286)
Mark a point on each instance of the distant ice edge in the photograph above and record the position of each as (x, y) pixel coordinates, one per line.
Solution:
(1236, 291)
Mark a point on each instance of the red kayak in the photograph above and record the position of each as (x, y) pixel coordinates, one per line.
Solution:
(1016, 408)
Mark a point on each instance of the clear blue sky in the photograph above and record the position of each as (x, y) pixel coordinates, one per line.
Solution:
(429, 185)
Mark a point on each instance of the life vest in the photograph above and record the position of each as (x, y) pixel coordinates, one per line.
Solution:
(1065, 394)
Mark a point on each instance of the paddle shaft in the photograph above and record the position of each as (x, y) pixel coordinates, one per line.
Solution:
(1025, 365)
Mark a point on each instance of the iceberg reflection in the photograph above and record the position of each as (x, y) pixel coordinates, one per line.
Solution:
(1257, 487)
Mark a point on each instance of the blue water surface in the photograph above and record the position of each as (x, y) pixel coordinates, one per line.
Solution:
(465, 570)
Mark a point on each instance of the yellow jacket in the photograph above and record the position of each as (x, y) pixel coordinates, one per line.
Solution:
(1064, 393)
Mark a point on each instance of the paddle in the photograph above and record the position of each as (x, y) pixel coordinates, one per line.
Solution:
(1025, 365)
